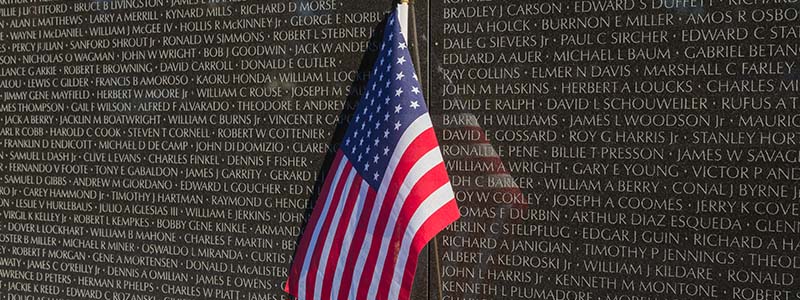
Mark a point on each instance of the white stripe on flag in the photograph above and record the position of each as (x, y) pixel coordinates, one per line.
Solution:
(313, 242)
(420, 168)
(348, 238)
(422, 123)
(433, 203)
(326, 249)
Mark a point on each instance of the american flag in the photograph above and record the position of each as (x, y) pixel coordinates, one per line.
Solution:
(387, 193)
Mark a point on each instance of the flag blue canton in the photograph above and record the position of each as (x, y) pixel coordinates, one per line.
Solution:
(391, 101)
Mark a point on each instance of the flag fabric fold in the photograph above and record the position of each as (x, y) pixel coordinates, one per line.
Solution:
(386, 195)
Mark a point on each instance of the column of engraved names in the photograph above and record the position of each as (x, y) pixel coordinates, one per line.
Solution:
(156, 149)
(651, 144)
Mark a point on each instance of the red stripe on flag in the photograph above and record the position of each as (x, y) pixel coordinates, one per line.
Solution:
(358, 239)
(421, 145)
(297, 266)
(428, 183)
(447, 214)
(336, 246)
(326, 226)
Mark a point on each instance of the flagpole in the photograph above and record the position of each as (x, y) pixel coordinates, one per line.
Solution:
(407, 18)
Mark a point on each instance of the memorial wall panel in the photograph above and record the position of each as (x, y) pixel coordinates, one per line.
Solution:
(635, 149)
(169, 149)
